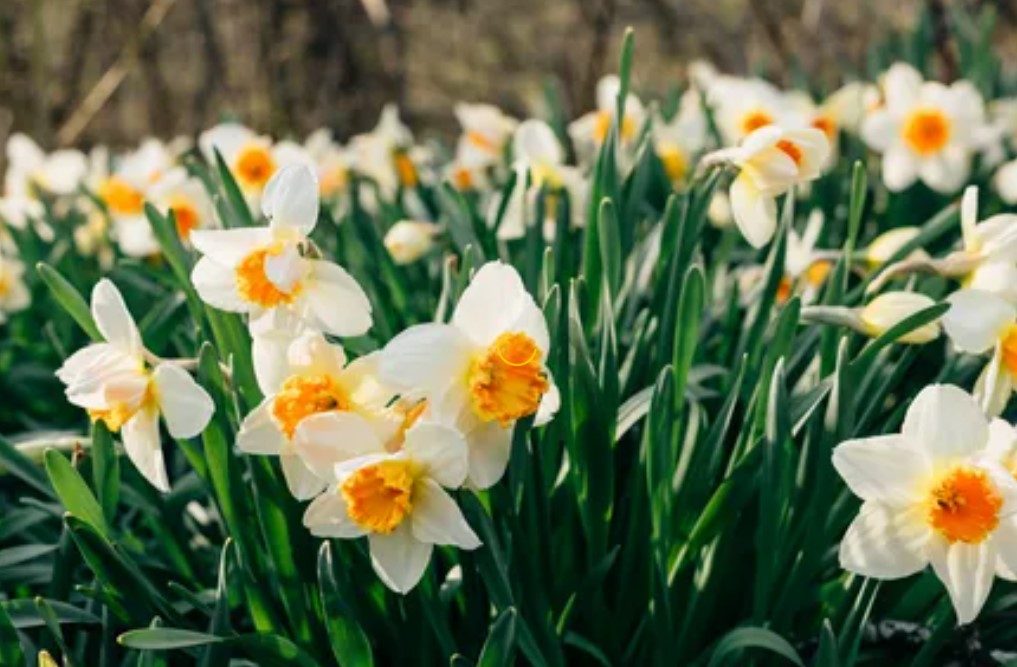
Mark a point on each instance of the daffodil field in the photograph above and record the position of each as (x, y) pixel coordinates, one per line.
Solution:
(715, 377)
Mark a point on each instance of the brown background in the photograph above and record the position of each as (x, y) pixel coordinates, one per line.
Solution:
(289, 66)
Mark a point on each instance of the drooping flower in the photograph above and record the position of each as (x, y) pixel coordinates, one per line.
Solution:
(933, 494)
(393, 493)
(770, 161)
(409, 240)
(268, 273)
(115, 384)
(316, 379)
(484, 371)
(924, 131)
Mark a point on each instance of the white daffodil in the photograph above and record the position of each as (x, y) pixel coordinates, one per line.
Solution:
(250, 157)
(482, 372)
(14, 294)
(589, 131)
(770, 161)
(383, 154)
(679, 141)
(332, 163)
(742, 106)
(880, 315)
(266, 273)
(409, 240)
(1005, 182)
(924, 131)
(185, 196)
(486, 132)
(540, 162)
(933, 494)
(979, 321)
(112, 381)
(843, 110)
(395, 497)
(316, 378)
(886, 245)
(29, 167)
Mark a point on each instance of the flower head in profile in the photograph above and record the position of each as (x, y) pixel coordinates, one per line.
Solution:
(487, 131)
(391, 491)
(316, 379)
(484, 371)
(409, 240)
(879, 316)
(679, 141)
(114, 383)
(978, 322)
(935, 494)
(589, 131)
(925, 130)
(770, 161)
(269, 272)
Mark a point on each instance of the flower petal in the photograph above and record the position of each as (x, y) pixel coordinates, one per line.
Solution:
(259, 433)
(900, 168)
(144, 447)
(442, 450)
(328, 438)
(327, 516)
(496, 301)
(754, 212)
(230, 246)
(883, 468)
(113, 319)
(976, 319)
(967, 571)
(426, 357)
(216, 284)
(436, 519)
(336, 302)
(945, 421)
(290, 199)
(185, 405)
(490, 447)
(884, 543)
(302, 482)
(398, 558)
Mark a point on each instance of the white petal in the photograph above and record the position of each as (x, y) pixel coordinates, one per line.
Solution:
(997, 277)
(336, 301)
(1005, 541)
(535, 142)
(946, 171)
(879, 130)
(230, 246)
(550, 403)
(495, 302)
(967, 571)
(399, 559)
(884, 543)
(291, 198)
(891, 308)
(436, 519)
(976, 319)
(327, 516)
(945, 421)
(490, 447)
(284, 269)
(144, 447)
(113, 319)
(884, 468)
(303, 482)
(184, 404)
(312, 353)
(754, 213)
(441, 450)
(426, 357)
(902, 86)
(329, 438)
(994, 385)
(969, 216)
(900, 168)
(216, 284)
(268, 355)
(259, 433)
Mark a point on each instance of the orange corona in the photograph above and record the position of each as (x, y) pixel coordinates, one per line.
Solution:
(964, 505)
(507, 382)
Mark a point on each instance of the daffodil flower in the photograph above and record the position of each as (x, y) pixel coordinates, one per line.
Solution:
(264, 271)
(482, 372)
(250, 157)
(879, 316)
(589, 131)
(933, 494)
(770, 161)
(540, 160)
(185, 197)
(486, 132)
(317, 379)
(409, 240)
(14, 294)
(394, 496)
(742, 106)
(924, 131)
(113, 382)
(679, 141)
(979, 321)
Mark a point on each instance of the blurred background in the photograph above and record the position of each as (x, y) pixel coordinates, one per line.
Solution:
(112, 71)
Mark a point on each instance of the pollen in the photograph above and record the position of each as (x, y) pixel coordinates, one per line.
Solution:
(254, 166)
(754, 120)
(305, 395)
(964, 505)
(379, 496)
(186, 217)
(120, 198)
(792, 150)
(507, 381)
(405, 170)
(926, 131)
(255, 287)
(1008, 349)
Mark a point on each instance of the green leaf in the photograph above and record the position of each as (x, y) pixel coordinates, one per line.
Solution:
(69, 299)
(74, 492)
(24, 614)
(500, 646)
(105, 470)
(19, 465)
(350, 645)
(740, 639)
(10, 645)
(161, 639)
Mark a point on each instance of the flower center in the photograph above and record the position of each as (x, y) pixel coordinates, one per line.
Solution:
(186, 217)
(333, 180)
(926, 131)
(254, 166)
(462, 178)
(120, 198)
(255, 287)
(1009, 349)
(405, 170)
(826, 125)
(302, 396)
(507, 382)
(120, 413)
(964, 505)
(755, 119)
(675, 164)
(817, 272)
(481, 141)
(603, 124)
(379, 496)
(792, 150)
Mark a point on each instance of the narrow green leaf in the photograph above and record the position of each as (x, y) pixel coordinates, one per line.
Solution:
(74, 492)
(69, 299)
